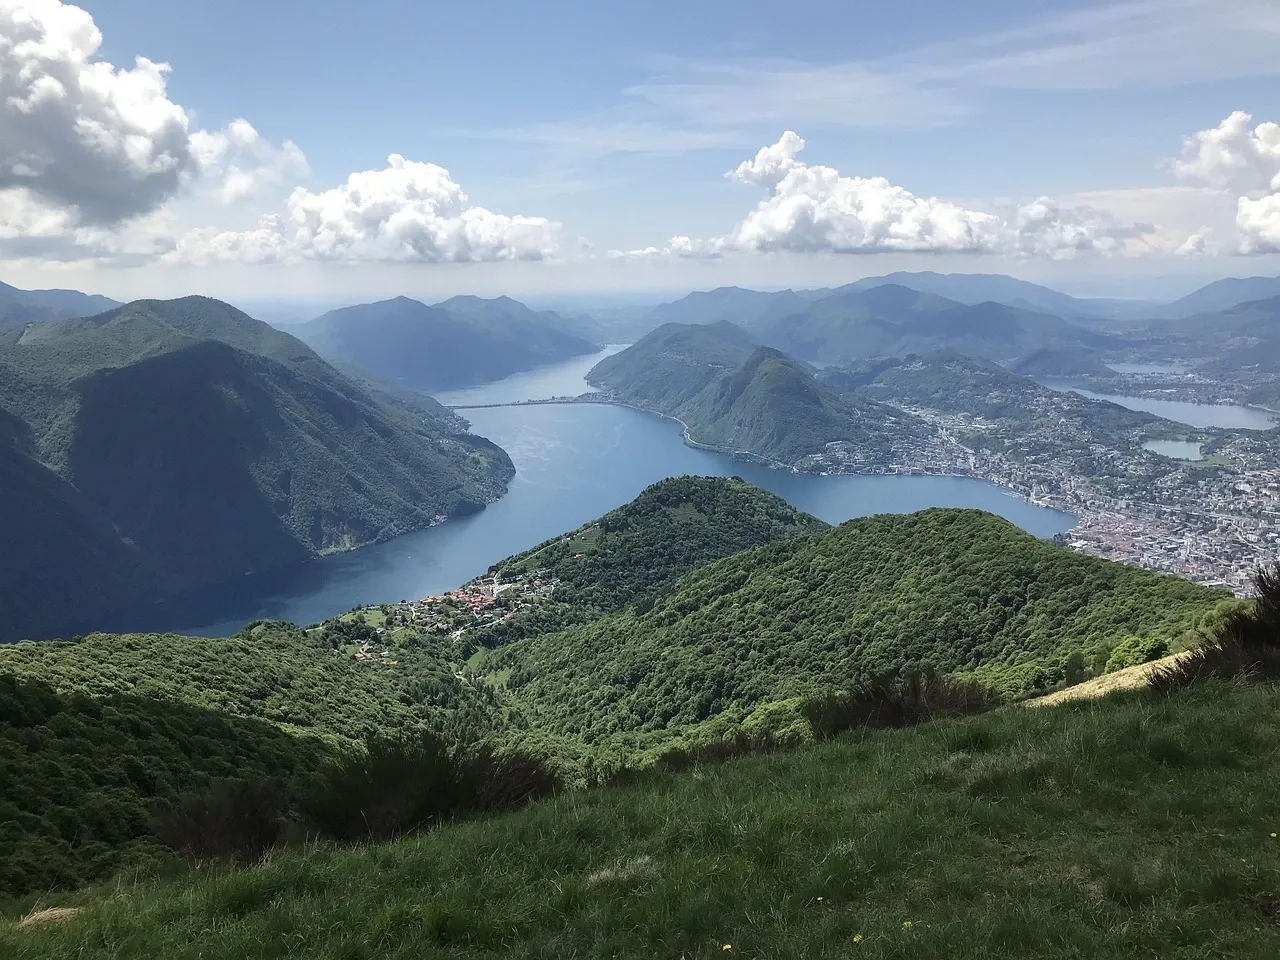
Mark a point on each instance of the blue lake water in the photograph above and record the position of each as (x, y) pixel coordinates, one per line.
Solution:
(573, 463)
(1175, 449)
(1230, 415)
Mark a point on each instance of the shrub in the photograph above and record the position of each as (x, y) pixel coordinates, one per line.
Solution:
(888, 702)
(742, 744)
(504, 781)
(1245, 644)
(1132, 651)
(399, 786)
(241, 821)
(392, 787)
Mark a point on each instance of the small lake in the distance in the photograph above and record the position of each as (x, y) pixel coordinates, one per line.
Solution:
(573, 463)
(1175, 449)
(1229, 415)
(1147, 367)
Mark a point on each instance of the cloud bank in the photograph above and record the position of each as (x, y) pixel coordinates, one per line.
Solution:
(407, 211)
(816, 209)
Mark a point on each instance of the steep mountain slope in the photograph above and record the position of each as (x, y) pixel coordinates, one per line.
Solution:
(674, 526)
(958, 590)
(891, 320)
(457, 343)
(746, 399)
(214, 445)
(20, 307)
(1219, 295)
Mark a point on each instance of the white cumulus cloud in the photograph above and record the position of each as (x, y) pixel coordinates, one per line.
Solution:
(1243, 159)
(816, 209)
(91, 155)
(243, 162)
(407, 211)
(80, 133)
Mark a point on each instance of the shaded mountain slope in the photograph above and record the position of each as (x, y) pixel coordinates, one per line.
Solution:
(214, 445)
(457, 343)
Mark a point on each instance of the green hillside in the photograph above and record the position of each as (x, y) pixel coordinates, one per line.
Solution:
(954, 590)
(674, 526)
(1135, 827)
(457, 343)
(213, 446)
(92, 732)
(735, 396)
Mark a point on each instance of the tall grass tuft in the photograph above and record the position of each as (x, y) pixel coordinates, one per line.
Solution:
(897, 702)
(408, 784)
(1245, 646)
(239, 821)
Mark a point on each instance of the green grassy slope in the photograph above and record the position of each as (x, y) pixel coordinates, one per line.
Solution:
(957, 590)
(1132, 827)
(213, 445)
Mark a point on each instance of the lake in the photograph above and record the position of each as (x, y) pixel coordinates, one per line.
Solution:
(1175, 449)
(573, 463)
(1147, 367)
(1230, 415)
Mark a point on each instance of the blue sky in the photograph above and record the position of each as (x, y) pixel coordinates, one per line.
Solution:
(590, 135)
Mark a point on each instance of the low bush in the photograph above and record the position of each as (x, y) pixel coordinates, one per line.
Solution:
(239, 821)
(897, 702)
(399, 786)
(742, 744)
(1245, 645)
(1132, 651)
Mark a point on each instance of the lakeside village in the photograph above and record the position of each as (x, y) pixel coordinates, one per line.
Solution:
(1210, 525)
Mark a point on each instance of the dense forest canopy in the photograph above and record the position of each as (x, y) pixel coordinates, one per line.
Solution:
(954, 590)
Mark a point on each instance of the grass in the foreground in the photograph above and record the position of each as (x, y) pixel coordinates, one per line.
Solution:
(1138, 826)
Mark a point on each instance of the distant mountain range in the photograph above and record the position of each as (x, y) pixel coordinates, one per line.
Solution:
(457, 343)
(882, 320)
(20, 307)
(749, 308)
(735, 395)
(167, 445)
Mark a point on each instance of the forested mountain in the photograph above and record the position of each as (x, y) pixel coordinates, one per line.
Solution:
(20, 307)
(735, 396)
(735, 305)
(956, 590)
(674, 526)
(891, 320)
(975, 288)
(457, 343)
(210, 445)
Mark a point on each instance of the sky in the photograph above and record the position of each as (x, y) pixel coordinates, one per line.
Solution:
(338, 151)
